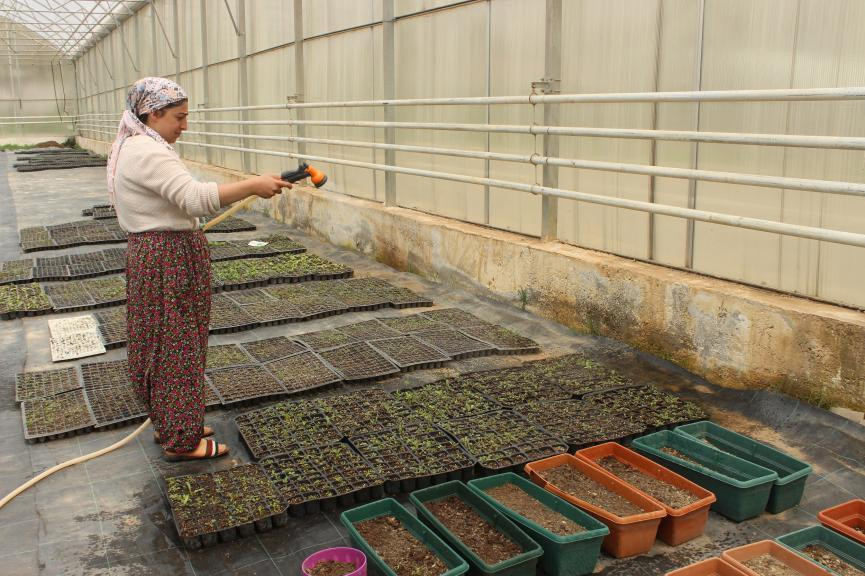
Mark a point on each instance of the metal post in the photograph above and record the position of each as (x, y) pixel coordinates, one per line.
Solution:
(77, 97)
(550, 85)
(244, 80)
(176, 43)
(695, 148)
(389, 74)
(153, 39)
(299, 81)
(205, 75)
(653, 151)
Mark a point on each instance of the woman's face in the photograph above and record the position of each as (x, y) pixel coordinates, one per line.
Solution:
(169, 122)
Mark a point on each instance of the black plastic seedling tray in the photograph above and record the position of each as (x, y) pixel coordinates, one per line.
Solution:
(505, 341)
(225, 505)
(242, 384)
(56, 416)
(272, 348)
(302, 372)
(365, 411)
(455, 344)
(111, 397)
(358, 362)
(409, 353)
(284, 426)
(32, 385)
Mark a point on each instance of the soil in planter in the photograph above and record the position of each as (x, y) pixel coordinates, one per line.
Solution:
(332, 568)
(488, 543)
(520, 502)
(399, 549)
(768, 565)
(725, 470)
(827, 558)
(666, 493)
(570, 480)
(679, 455)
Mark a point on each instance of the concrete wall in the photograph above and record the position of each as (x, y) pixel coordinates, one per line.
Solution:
(731, 334)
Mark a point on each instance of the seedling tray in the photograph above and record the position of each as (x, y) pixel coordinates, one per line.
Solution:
(248, 297)
(283, 427)
(445, 400)
(56, 416)
(302, 372)
(353, 478)
(227, 355)
(412, 323)
(682, 523)
(68, 297)
(656, 408)
(582, 423)
(502, 441)
(742, 488)
(368, 330)
(244, 383)
(211, 398)
(523, 564)
(230, 224)
(414, 456)
(224, 505)
(50, 273)
(792, 473)
(580, 375)
(112, 399)
(227, 317)
(844, 549)
(454, 317)
(564, 555)
(33, 385)
(400, 297)
(513, 387)
(629, 535)
(325, 339)
(272, 348)
(86, 269)
(847, 518)
(309, 303)
(350, 294)
(113, 335)
(358, 362)
(364, 411)
(18, 300)
(409, 353)
(454, 343)
(272, 313)
(738, 556)
(502, 339)
(402, 518)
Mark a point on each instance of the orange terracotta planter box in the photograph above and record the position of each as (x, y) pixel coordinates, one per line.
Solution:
(710, 567)
(629, 535)
(738, 556)
(846, 518)
(681, 524)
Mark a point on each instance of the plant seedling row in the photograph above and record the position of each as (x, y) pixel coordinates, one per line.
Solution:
(56, 416)
(33, 385)
(224, 505)
(284, 427)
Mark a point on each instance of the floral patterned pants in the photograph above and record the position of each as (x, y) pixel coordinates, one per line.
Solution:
(167, 320)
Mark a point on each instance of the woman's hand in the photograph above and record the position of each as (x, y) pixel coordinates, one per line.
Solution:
(267, 185)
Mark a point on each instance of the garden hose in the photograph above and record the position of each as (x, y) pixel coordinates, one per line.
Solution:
(123, 442)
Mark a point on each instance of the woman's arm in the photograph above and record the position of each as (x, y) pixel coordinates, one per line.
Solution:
(265, 186)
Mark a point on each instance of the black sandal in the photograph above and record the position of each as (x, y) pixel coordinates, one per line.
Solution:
(211, 451)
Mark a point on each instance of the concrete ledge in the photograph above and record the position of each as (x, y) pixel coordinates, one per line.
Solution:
(734, 335)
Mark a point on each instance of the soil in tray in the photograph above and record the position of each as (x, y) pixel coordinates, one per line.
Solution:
(225, 355)
(399, 549)
(513, 497)
(768, 565)
(570, 480)
(666, 493)
(827, 558)
(332, 568)
(488, 543)
(31, 385)
(272, 348)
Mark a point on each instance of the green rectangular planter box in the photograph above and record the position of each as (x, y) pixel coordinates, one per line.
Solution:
(523, 564)
(792, 473)
(571, 555)
(846, 549)
(741, 487)
(390, 507)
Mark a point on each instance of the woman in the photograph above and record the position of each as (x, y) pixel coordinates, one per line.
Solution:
(168, 263)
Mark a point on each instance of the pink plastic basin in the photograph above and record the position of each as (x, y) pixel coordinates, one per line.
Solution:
(342, 554)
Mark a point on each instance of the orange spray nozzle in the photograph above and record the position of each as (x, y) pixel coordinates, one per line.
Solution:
(317, 177)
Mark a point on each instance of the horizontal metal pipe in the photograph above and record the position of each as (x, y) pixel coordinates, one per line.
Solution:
(37, 122)
(827, 186)
(836, 236)
(831, 142)
(694, 96)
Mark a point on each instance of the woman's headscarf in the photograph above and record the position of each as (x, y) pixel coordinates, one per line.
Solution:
(146, 95)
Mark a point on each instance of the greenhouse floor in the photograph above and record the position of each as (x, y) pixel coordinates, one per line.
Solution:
(109, 516)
